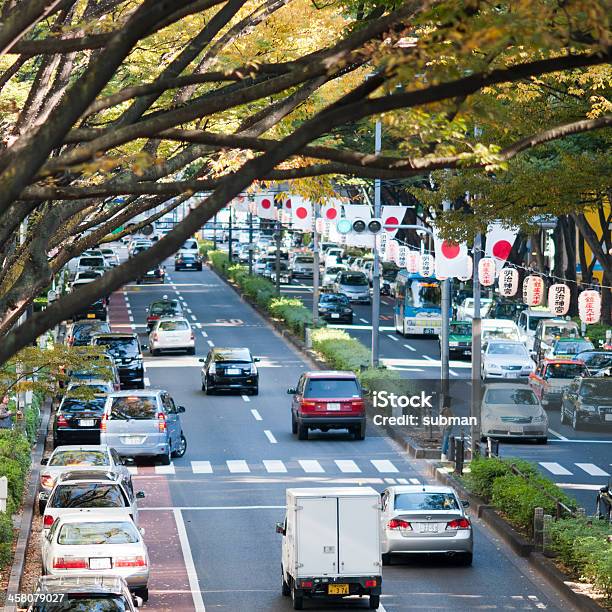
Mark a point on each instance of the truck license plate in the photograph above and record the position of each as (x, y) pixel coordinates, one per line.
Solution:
(91, 315)
(337, 589)
(335, 315)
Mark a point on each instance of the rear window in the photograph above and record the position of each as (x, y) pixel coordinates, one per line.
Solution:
(78, 405)
(188, 256)
(85, 332)
(134, 407)
(90, 534)
(173, 326)
(353, 279)
(79, 457)
(422, 500)
(160, 308)
(92, 261)
(511, 396)
(120, 347)
(88, 495)
(601, 388)
(304, 260)
(233, 356)
(190, 244)
(95, 388)
(332, 387)
(571, 348)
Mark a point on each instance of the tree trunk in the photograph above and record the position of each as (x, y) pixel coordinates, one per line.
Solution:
(569, 237)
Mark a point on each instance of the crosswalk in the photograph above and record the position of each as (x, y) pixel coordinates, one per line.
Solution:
(580, 469)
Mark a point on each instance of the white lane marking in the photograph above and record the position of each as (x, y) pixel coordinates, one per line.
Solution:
(402, 481)
(555, 468)
(199, 325)
(383, 465)
(382, 328)
(393, 337)
(453, 373)
(246, 398)
(428, 358)
(189, 311)
(256, 414)
(578, 487)
(201, 467)
(193, 317)
(364, 320)
(177, 291)
(592, 469)
(390, 480)
(581, 441)
(555, 433)
(132, 469)
(147, 382)
(130, 318)
(270, 436)
(410, 348)
(274, 466)
(192, 575)
(347, 466)
(166, 508)
(311, 466)
(237, 466)
(210, 343)
(415, 481)
(165, 469)
(129, 310)
(204, 334)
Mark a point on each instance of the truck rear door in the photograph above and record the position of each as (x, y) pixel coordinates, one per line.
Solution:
(317, 536)
(359, 538)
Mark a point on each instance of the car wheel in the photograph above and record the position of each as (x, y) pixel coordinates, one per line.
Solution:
(465, 559)
(562, 416)
(374, 602)
(191, 351)
(302, 432)
(294, 425)
(386, 558)
(165, 458)
(359, 432)
(576, 423)
(176, 269)
(138, 282)
(182, 448)
(203, 386)
(542, 440)
(209, 390)
(142, 593)
(255, 391)
(298, 600)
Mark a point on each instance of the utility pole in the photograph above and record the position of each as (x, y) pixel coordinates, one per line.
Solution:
(230, 252)
(315, 272)
(251, 244)
(444, 330)
(476, 351)
(376, 265)
(277, 262)
(215, 232)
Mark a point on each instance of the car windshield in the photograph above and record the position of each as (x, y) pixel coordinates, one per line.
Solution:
(333, 270)
(507, 349)
(511, 396)
(332, 388)
(334, 298)
(240, 355)
(91, 534)
(89, 274)
(461, 329)
(564, 370)
(506, 333)
(600, 388)
(572, 348)
(134, 407)
(84, 603)
(422, 500)
(423, 294)
(173, 326)
(304, 260)
(92, 262)
(596, 360)
(160, 308)
(534, 320)
(80, 405)
(79, 457)
(551, 331)
(357, 279)
(120, 347)
(88, 495)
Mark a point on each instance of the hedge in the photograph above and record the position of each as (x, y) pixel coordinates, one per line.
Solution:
(205, 246)
(293, 312)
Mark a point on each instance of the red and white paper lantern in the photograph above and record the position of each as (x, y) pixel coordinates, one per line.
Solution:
(402, 254)
(486, 271)
(427, 265)
(589, 306)
(413, 262)
(392, 248)
(320, 225)
(508, 282)
(559, 299)
(533, 290)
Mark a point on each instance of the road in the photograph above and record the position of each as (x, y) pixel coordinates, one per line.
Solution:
(210, 516)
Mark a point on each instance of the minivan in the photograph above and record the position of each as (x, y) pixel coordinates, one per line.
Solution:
(143, 423)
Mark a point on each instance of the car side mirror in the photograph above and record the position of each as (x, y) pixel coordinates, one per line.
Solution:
(256, 359)
(201, 360)
(180, 409)
(465, 503)
(142, 531)
(140, 495)
(280, 528)
(146, 310)
(44, 461)
(291, 391)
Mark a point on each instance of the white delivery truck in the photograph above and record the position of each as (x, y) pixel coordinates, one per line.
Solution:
(331, 544)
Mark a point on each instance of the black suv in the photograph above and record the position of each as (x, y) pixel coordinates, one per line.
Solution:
(127, 355)
(80, 332)
(77, 421)
(187, 261)
(588, 401)
(97, 310)
(336, 308)
(229, 369)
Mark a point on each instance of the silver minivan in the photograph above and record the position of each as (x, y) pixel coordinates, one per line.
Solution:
(143, 423)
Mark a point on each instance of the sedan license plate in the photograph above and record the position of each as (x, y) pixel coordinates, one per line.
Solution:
(429, 330)
(91, 315)
(333, 406)
(232, 371)
(188, 265)
(99, 563)
(609, 417)
(337, 589)
(133, 439)
(86, 422)
(428, 528)
(335, 315)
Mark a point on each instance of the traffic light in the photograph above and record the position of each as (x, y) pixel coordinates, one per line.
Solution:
(344, 226)
(359, 226)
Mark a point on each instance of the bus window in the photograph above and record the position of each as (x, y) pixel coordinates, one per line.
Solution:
(423, 295)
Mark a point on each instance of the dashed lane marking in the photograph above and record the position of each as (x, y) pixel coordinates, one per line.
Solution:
(270, 436)
(256, 414)
(410, 348)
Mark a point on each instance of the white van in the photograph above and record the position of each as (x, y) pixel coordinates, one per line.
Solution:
(499, 329)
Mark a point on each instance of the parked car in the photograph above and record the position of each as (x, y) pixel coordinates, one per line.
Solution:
(95, 543)
(505, 359)
(88, 276)
(79, 332)
(82, 456)
(96, 310)
(552, 377)
(187, 260)
(83, 592)
(568, 348)
(171, 334)
(77, 421)
(511, 411)
(587, 401)
(459, 339)
(425, 519)
(83, 490)
(156, 274)
(465, 310)
(162, 308)
(549, 330)
(327, 400)
(335, 308)
(230, 369)
(143, 424)
(505, 309)
(527, 322)
(354, 285)
(499, 329)
(126, 352)
(595, 361)
(98, 387)
(98, 367)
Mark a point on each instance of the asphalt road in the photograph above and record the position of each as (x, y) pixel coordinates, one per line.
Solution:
(218, 505)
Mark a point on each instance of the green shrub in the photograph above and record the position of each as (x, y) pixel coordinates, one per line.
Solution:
(6, 538)
(340, 350)
(377, 379)
(15, 475)
(205, 246)
(14, 446)
(292, 311)
(483, 472)
(219, 261)
(582, 546)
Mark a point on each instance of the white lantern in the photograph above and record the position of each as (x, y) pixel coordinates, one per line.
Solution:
(533, 290)
(559, 299)
(427, 265)
(589, 306)
(402, 254)
(413, 261)
(508, 282)
(470, 270)
(320, 225)
(392, 249)
(486, 271)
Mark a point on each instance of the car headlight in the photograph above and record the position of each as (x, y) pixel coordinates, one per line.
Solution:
(347, 310)
(588, 408)
(492, 366)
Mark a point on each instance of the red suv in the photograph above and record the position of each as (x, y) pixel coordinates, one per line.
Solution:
(328, 400)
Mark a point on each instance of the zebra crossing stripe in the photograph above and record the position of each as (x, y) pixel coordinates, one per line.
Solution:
(347, 466)
(384, 465)
(592, 469)
(165, 469)
(201, 467)
(555, 468)
(311, 466)
(274, 466)
(415, 481)
(238, 466)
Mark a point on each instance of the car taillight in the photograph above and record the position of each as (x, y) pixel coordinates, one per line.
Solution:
(48, 520)
(460, 523)
(103, 422)
(399, 524)
(370, 583)
(306, 405)
(307, 584)
(69, 563)
(357, 404)
(192, 337)
(138, 561)
(47, 481)
(61, 421)
(161, 421)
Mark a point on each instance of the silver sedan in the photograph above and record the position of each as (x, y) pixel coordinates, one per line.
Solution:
(425, 519)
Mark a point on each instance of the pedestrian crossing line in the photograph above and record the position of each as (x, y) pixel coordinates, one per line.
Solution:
(165, 469)
(393, 337)
(201, 467)
(270, 436)
(274, 466)
(415, 481)
(210, 343)
(237, 466)
(410, 348)
(402, 481)
(384, 465)
(199, 325)
(311, 466)
(204, 334)
(592, 469)
(246, 398)
(347, 466)
(193, 317)
(555, 468)
(390, 480)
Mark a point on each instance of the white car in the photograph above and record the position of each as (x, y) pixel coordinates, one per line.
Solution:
(528, 322)
(88, 275)
(302, 265)
(172, 334)
(503, 359)
(190, 246)
(330, 274)
(512, 411)
(97, 543)
(499, 329)
(465, 311)
(90, 262)
(111, 257)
